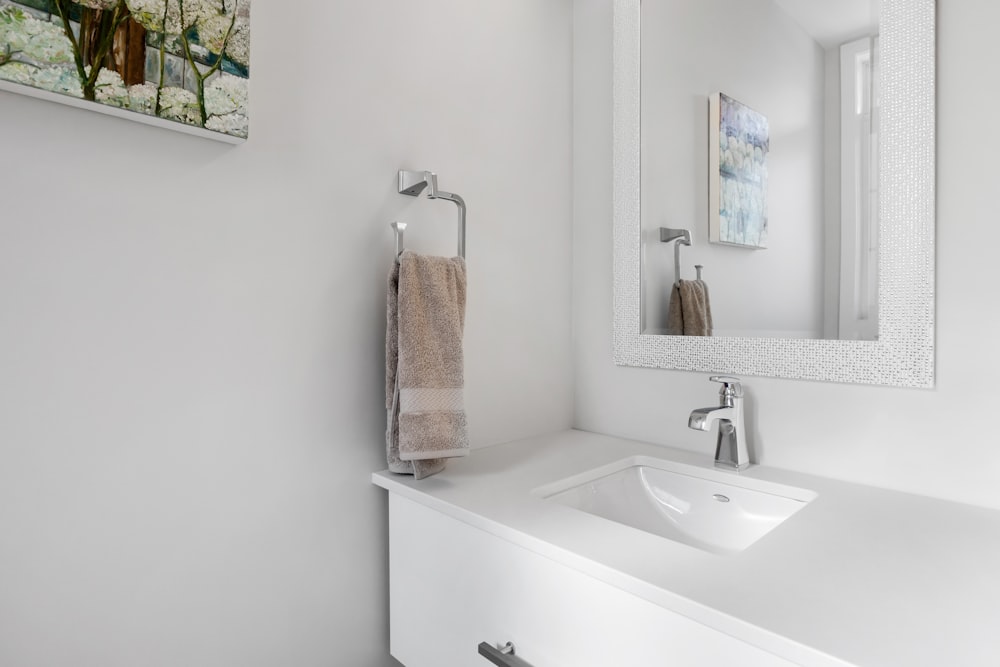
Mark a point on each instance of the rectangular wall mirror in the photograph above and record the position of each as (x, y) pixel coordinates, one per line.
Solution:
(804, 194)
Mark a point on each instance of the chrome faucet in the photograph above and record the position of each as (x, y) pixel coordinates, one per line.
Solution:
(731, 449)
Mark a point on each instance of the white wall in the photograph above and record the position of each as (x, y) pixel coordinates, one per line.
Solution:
(940, 442)
(192, 333)
(753, 52)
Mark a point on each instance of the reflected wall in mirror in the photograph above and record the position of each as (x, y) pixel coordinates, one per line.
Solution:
(809, 68)
(676, 197)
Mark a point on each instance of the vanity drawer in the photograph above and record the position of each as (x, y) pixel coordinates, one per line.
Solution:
(453, 586)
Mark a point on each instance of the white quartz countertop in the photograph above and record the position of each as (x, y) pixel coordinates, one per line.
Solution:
(860, 576)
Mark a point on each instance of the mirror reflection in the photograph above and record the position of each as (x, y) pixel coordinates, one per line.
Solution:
(759, 178)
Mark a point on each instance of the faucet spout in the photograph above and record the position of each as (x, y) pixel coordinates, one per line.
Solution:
(703, 418)
(731, 451)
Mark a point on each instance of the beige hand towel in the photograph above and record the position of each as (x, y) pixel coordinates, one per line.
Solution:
(425, 318)
(689, 312)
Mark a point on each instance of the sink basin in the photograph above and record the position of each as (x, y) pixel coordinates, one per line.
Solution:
(715, 511)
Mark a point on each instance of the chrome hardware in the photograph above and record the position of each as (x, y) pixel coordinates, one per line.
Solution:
(400, 229)
(502, 656)
(731, 450)
(412, 183)
(682, 237)
(730, 386)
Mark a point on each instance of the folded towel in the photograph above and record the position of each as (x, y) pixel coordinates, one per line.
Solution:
(424, 374)
(689, 312)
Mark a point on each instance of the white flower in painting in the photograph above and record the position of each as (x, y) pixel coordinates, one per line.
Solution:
(215, 33)
(27, 38)
(52, 48)
(13, 34)
(17, 72)
(56, 79)
(166, 15)
(110, 89)
(226, 94)
(235, 124)
(241, 7)
(213, 18)
(28, 50)
(142, 98)
(181, 105)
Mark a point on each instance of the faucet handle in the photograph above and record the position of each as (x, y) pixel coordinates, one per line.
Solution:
(731, 386)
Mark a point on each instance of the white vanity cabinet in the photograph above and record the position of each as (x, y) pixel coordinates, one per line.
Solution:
(861, 577)
(453, 586)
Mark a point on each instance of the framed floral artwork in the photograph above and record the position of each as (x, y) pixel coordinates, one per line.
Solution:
(181, 64)
(737, 188)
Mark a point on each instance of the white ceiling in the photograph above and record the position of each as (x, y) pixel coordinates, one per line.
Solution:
(833, 22)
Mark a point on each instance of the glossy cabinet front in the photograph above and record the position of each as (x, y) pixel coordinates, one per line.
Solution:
(453, 586)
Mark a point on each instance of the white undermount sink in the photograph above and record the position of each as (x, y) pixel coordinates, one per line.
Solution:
(717, 511)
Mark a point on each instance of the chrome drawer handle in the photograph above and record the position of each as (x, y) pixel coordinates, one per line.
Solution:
(504, 656)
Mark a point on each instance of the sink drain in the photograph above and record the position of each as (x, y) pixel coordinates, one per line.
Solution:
(721, 498)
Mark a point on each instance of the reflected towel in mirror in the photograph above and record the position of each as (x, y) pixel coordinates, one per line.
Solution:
(689, 312)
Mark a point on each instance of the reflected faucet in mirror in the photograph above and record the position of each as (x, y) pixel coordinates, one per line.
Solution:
(731, 451)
